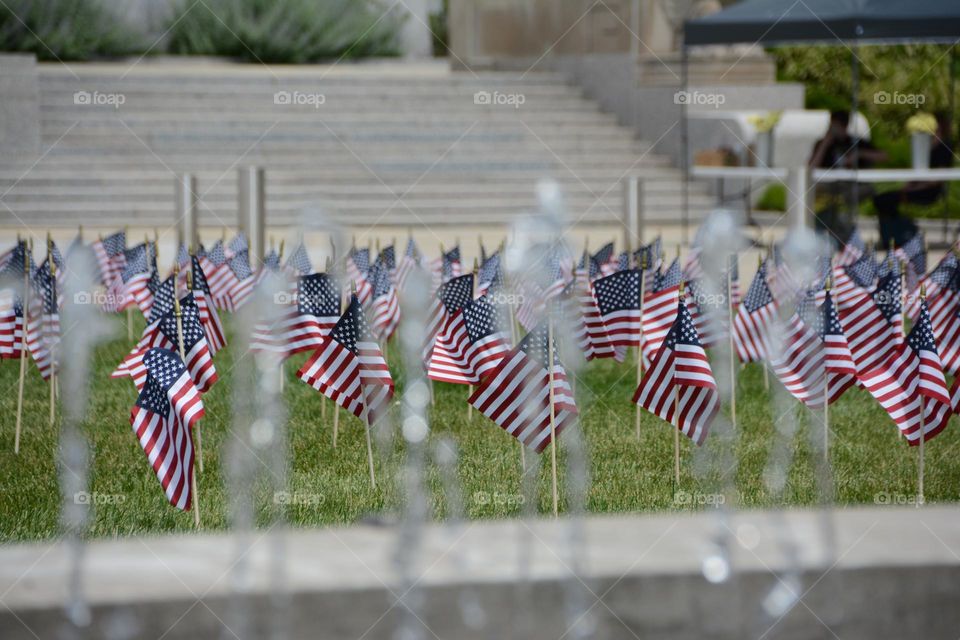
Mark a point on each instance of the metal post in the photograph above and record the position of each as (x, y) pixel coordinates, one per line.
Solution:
(186, 209)
(251, 202)
(798, 197)
(952, 102)
(685, 145)
(632, 212)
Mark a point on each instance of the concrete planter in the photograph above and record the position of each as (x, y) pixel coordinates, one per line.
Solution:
(763, 149)
(920, 146)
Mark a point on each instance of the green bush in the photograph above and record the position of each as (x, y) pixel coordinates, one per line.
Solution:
(64, 30)
(285, 31)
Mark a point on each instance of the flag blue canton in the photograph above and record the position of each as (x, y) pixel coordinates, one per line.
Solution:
(456, 293)
(683, 330)
(619, 291)
(758, 295)
(921, 335)
(318, 295)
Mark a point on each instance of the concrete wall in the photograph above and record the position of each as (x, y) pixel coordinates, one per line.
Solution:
(875, 574)
(19, 108)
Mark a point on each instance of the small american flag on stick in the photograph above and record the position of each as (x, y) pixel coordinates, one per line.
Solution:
(517, 394)
(911, 387)
(306, 322)
(471, 345)
(349, 368)
(679, 386)
(163, 418)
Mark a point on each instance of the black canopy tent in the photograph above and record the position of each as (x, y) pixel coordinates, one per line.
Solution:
(847, 23)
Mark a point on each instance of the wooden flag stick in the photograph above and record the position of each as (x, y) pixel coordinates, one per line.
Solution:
(51, 264)
(553, 420)
(23, 344)
(473, 291)
(366, 428)
(676, 432)
(643, 267)
(336, 407)
(733, 354)
(513, 343)
(178, 314)
(923, 428)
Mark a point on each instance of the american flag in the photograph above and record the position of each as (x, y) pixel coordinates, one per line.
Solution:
(588, 327)
(386, 304)
(446, 267)
(11, 324)
(606, 261)
(679, 386)
(853, 249)
(244, 279)
(109, 253)
(618, 302)
(590, 266)
(537, 291)
(358, 271)
(219, 275)
(659, 308)
(914, 253)
(516, 395)
(471, 345)
(450, 298)
(209, 318)
(851, 280)
(410, 259)
(945, 321)
(838, 361)
(913, 379)
(163, 334)
(132, 285)
(709, 313)
(783, 282)
(238, 244)
(302, 325)
(298, 262)
(873, 321)
(349, 368)
(754, 318)
(163, 418)
(388, 256)
(799, 362)
(271, 262)
(649, 257)
(490, 275)
(43, 321)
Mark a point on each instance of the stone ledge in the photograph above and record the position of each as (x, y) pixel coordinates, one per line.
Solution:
(896, 575)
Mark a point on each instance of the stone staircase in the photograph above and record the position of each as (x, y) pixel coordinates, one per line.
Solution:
(392, 143)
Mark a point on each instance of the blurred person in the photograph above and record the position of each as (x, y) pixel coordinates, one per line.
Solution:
(896, 226)
(837, 149)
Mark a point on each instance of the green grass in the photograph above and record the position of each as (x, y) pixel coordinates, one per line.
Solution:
(627, 475)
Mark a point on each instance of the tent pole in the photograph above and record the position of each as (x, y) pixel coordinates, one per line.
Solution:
(854, 107)
(685, 144)
(952, 106)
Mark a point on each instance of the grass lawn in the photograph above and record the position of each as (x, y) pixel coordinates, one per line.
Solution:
(626, 474)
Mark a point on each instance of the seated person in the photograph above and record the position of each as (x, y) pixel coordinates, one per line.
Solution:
(897, 227)
(837, 149)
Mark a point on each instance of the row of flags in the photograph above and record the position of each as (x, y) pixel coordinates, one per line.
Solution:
(844, 329)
